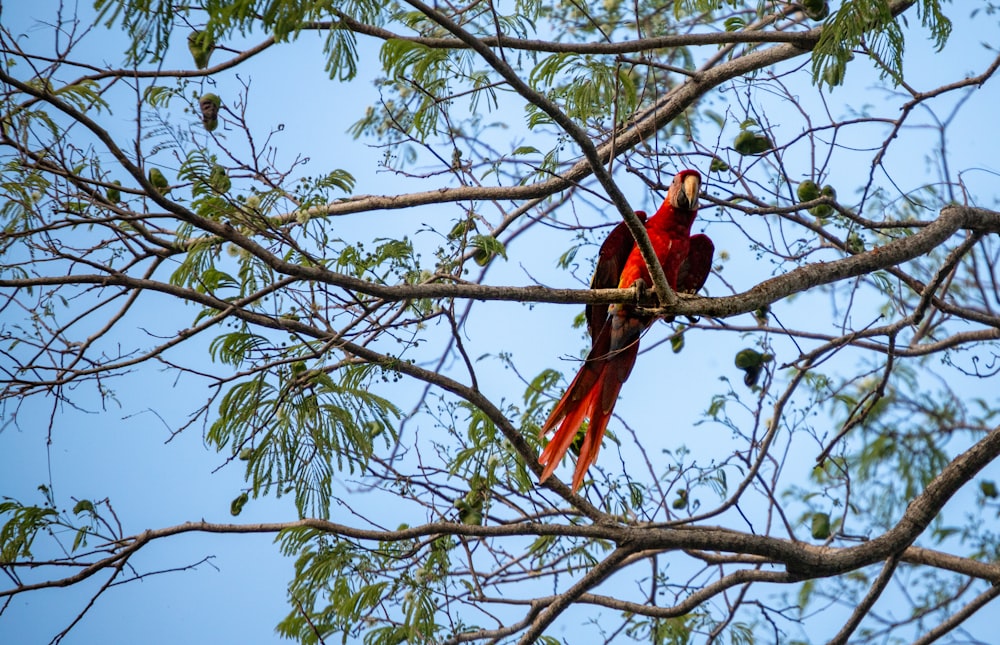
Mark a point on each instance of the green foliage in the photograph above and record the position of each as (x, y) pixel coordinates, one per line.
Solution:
(21, 525)
(585, 87)
(338, 585)
(318, 191)
(391, 259)
(148, 23)
(84, 95)
(151, 23)
(871, 23)
(22, 188)
(297, 405)
(666, 631)
(430, 69)
(303, 428)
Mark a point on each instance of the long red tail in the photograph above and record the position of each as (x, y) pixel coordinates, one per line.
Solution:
(592, 394)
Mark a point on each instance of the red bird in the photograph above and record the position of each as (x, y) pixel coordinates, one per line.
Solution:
(686, 261)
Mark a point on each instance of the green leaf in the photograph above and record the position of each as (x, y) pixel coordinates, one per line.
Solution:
(22, 526)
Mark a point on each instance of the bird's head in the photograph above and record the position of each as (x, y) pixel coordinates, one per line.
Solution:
(683, 192)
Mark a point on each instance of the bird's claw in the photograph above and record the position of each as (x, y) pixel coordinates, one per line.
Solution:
(640, 290)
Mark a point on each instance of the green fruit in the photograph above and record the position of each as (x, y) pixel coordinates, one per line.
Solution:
(201, 45)
(751, 143)
(159, 182)
(114, 195)
(816, 9)
(820, 526)
(808, 191)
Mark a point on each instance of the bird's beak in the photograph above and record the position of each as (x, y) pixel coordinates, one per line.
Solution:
(690, 187)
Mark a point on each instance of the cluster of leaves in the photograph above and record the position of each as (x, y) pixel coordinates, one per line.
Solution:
(301, 357)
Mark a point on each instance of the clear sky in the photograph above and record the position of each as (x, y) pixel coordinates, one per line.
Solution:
(235, 589)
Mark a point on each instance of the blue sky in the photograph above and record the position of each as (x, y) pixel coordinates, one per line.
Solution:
(122, 452)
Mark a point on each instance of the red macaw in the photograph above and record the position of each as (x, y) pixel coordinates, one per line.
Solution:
(686, 261)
